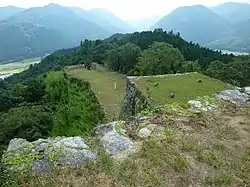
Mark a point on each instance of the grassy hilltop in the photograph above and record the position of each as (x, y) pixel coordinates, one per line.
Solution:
(186, 87)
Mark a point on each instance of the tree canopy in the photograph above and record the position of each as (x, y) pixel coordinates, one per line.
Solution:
(160, 58)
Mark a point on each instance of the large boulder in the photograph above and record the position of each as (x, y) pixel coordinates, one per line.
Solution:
(45, 154)
(234, 96)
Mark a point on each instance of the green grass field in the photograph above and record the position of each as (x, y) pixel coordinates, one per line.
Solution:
(185, 87)
(17, 67)
(103, 84)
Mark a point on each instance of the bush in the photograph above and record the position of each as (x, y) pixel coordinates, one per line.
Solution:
(3, 176)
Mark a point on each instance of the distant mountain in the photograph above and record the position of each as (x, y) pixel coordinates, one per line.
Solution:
(62, 19)
(8, 11)
(100, 20)
(66, 27)
(239, 40)
(114, 20)
(24, 40)
(238, 15)
(233, 12)
(195, 23)
(224, 27)
(145, 23)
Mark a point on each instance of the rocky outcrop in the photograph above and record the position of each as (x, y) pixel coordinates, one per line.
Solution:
(234, 96)
(44, 155)
(134, 102)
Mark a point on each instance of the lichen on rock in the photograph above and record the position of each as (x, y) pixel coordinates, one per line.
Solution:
(45, 154)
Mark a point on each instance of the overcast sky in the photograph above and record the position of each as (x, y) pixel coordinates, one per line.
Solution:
(125, 9)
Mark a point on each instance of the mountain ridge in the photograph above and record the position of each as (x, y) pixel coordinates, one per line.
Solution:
(67, 28)
(9, 11)
(211, 28)
(197, 32)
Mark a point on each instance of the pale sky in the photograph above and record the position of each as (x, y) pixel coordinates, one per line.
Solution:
(125, 9)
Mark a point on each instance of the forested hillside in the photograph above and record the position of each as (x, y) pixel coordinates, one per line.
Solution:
(41, 30)
(15, 45)
(59, 100)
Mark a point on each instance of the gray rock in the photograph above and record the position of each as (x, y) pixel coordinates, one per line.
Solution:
(18, 143)
(144, 133)
(247, 90)
(147, 131)
(42, 155)
(70, 151)
(234, 96)
(112, 137)
(197, 105)
(41, 166)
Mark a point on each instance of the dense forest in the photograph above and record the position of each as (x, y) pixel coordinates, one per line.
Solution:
(43, 101)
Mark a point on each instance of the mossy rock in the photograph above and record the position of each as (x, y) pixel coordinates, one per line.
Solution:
(46, 154)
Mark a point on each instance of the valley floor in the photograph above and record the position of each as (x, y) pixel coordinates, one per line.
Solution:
(16, 67)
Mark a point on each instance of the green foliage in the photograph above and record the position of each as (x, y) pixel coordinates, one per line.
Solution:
(236, 72)
(29, 122)
(190, 66)
(123, 58)
(56, 105)
(3, 175)
(77, 110)
(56, 86)
(160, 58)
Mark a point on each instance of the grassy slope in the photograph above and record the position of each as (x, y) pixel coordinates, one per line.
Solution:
(185, 87)
(103, 85)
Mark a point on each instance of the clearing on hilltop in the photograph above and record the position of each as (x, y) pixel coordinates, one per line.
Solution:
(182, 87)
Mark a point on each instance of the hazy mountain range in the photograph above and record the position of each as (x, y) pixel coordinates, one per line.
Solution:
(226, 26)
(36, 31)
